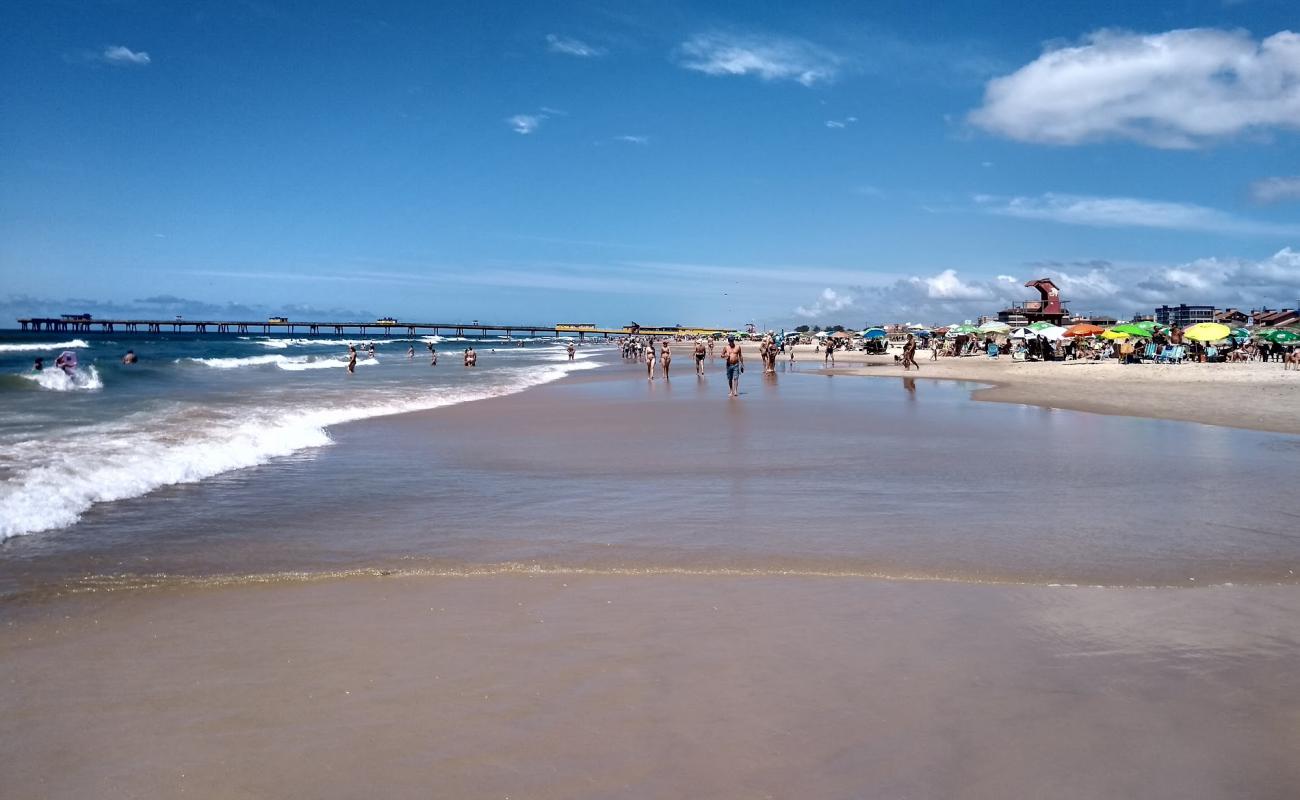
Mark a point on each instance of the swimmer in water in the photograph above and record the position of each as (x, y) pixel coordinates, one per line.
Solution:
(410, 351)
(130, 357)
(352, 359)
(39, 366)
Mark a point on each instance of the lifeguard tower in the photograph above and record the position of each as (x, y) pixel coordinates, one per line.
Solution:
(1050, 308)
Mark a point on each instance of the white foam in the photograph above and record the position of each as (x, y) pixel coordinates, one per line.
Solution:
(57, 380)
(36, 347)
(284, 344)
(138, 454)
(293, 363)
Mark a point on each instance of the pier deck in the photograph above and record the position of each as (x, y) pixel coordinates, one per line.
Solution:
(78, 325)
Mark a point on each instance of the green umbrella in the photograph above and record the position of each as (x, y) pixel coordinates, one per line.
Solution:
(1241, 334)
(1281, 336)
(959, 329)
(1040, 326)
(1149, 326)
(1132, 329)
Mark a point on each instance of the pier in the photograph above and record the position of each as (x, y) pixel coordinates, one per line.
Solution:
(386, 327)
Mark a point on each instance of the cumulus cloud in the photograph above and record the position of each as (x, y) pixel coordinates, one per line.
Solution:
(125, 56)
(1179, 89)
(1276, 190)
(828, 302)
(1129, 212)
(1100, 287)
(771, 58)
(572, 47)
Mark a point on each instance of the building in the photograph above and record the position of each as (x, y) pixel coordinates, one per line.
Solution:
(1232, 317)
(1183, 315)
(1276, 318)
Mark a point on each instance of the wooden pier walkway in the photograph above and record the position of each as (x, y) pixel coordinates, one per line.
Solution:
(81, 324)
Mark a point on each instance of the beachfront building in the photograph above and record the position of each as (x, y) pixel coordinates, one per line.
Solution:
(1184, 315)
(1277, 318)
(1232, 317)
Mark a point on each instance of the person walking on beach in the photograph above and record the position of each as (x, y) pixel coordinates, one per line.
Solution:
(650, 360)
(909, 353)
(710, 348)
(352, 359)
(830, 352)
(699, 357)
(665, 357)
(735, 359)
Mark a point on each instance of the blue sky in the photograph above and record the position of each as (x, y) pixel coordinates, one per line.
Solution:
(699, 163)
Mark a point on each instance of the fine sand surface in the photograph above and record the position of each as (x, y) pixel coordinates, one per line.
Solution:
(656, 686)
(1252, 395)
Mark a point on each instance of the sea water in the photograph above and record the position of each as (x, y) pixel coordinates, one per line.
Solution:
(198, 406)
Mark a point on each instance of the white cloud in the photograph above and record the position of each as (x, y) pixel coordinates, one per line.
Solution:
(525, 123)
(572, 47)
(1276, 190)
(117, 54)
(633, 139)
(828, 302)
(833, 123)
(1178, 89)
(1087, 287)
(1129, 212)
(771, 58)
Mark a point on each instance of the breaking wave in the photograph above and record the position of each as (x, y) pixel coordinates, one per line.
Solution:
(36, 347)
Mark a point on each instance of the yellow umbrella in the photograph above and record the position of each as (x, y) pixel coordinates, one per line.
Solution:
(1207, 332)
(1114, 334)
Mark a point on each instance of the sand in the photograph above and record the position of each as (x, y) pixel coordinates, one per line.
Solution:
(1255, 396)
(654, 686)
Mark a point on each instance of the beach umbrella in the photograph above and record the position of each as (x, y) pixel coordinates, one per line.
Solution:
(1133, 329)
(1240, 334)
(1024, 333)
(1149, 326)
(1039, 326)
(1083, 329)
(822, 335)
(1051, 333)
(993, 326)
(1115, 335)
(874, 333)
(1281, 336)
(940, 331)
(841, 335)
(1207, 332)
(960, 329)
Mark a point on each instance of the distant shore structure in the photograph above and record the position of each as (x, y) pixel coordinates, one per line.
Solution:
(84, 323)
(1050, 308)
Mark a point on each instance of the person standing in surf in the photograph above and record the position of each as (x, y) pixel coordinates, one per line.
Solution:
(666, 357)
(572, 351)
(352, 359)
(735, 359)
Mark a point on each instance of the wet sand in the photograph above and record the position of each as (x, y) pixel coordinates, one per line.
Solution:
(655, 687)
(1254, 396)
(620, 678)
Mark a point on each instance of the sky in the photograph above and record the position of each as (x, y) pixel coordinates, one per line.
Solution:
(670, 163)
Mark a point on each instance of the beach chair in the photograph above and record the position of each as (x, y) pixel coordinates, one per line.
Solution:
(1149, 352)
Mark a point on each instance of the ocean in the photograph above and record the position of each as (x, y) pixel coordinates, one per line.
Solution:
(199, 406)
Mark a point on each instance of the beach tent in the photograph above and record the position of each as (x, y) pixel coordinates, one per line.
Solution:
(1207, 332)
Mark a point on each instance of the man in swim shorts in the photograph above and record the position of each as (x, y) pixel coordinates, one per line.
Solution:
(699, 357)
(735, 359)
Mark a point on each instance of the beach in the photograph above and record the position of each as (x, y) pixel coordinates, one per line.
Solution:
(1253, 395)
(608, 586)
